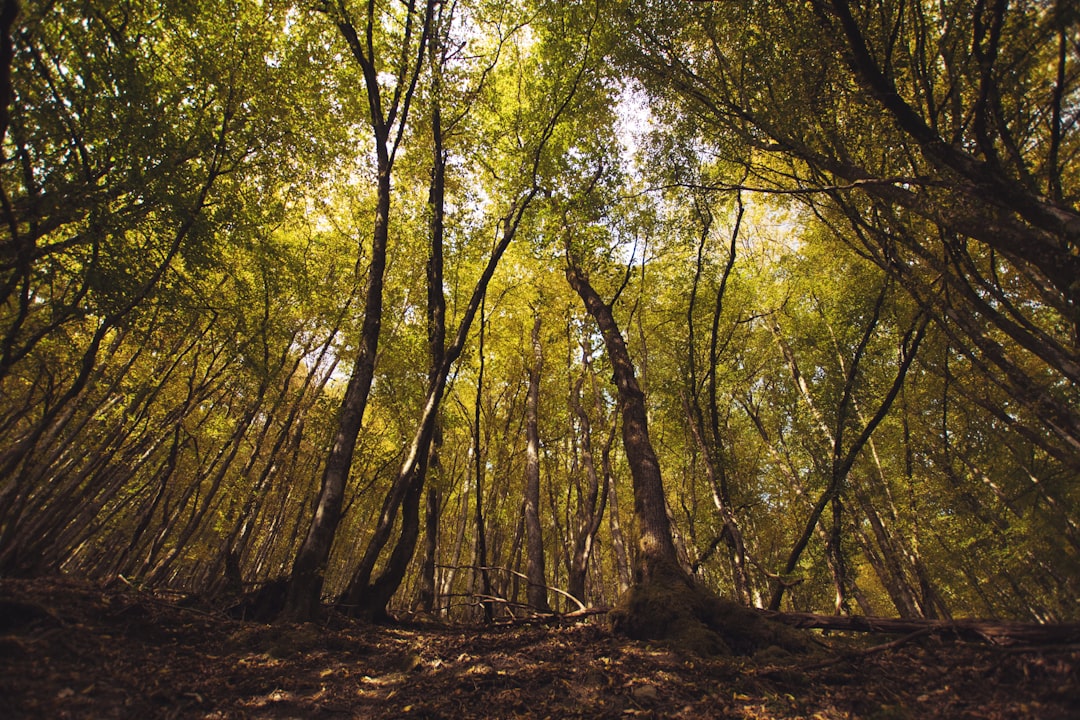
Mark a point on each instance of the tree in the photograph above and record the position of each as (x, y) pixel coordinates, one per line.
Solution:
(529, 154)
(657, 560)
(388, 118)
(537, 590)
(592, 495)
(707, 435)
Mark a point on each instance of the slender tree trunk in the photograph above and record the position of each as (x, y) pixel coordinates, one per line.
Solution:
(834, 552)
(657, 558)
(843, 458)
(309, 568)
(618, 541)
(426, 447)
(591, 503)
(9, 10)
(436, 320)
(886, 563)
(425, 601)
(447, 586)
(409, 481)
(377, 595)
(536, 593)
(713, 448)
(478, 472)
(288, 437)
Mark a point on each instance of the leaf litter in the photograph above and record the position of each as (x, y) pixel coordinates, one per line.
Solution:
(72, 649)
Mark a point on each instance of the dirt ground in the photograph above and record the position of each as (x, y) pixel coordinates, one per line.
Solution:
(75, 650)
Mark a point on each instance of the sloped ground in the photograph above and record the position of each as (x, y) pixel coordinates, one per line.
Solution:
(74, 650)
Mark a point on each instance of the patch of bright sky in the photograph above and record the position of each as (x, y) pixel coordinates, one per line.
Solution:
(634, 120)
(774, 223)
(633, 123)
(771, 224)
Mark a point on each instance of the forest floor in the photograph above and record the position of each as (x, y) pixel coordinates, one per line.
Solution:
(76, 650)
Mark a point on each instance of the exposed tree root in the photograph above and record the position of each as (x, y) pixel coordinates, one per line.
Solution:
(670, 608)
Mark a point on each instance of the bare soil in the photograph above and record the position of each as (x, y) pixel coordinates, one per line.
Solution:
(75, 650)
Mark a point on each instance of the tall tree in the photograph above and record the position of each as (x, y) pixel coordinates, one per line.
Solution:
(657, 559)
(528, 155)
(388, 119)
(537, 590)
(591, 495)
(707, 435)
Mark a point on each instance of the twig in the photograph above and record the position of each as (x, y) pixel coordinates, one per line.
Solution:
(523, 576)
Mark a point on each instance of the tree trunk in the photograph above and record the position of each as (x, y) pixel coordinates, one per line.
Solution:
(536, 593)
(375, 598)
(593, 502)
(885, 563)
(843, 458)
(664, 603)
(657, 559)
(618, 541)
(408, 476)
(712, 444)
(478, 470)
(309, 568)
(834, 553)
(425, 600)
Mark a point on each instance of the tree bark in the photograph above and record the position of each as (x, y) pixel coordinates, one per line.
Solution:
(591, 503)
(618, 541)
(712, 444)
(478, 470)
(425, 601)
(536, 593)
(309, 568)
(408, 477)
(657, 558)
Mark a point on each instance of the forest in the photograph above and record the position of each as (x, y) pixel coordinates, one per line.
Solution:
(483, 310)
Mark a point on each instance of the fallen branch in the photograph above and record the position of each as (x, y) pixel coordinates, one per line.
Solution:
(996, 632)
(534, 617)
(570, 616)
(857, 655)
(581, 605)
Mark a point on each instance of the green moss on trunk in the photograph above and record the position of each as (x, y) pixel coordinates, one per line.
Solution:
(670, 608)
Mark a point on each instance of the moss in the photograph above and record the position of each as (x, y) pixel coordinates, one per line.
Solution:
(670, 608)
